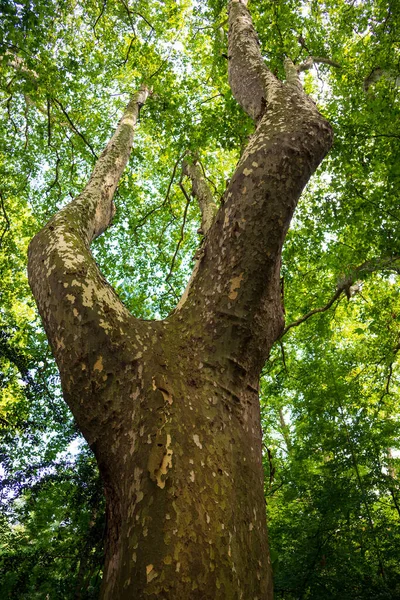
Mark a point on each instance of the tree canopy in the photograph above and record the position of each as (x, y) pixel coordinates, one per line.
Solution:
(330, 390)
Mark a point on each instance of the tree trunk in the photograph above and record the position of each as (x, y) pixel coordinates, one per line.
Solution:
(170, 408)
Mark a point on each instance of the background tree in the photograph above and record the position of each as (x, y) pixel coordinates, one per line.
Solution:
(346, 219)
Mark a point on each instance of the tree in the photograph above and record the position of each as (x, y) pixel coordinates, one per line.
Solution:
(48, 110)
(170, 408)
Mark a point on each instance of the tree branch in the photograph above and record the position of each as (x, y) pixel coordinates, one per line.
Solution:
(237, 271)
(346, 284)
(128, 12)
(378, 73)
(56, 181)
(75, 129)
(129, 50)
(315, 311)
(93, 209)
(135, 12)
(166, 199)
(202, 193)
(144, 19)
(311, 60)
(250, 80)
(99, 17)
(48, 121)
(80, 311)
(7, 220)
(182, 230)
(390, 373)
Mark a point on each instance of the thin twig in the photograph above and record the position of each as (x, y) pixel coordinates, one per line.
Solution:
(212, 98)
(283, 356)
(369, 201)
(360, 483)
(128, 12)
(7, 226)
(56, 178)
(369, 266)
(206, 177)
(26, 114)
(8, 104)
(129, 49)
(182, 230)
(48, 122)
(390, 375)
(99, 17)
(157, 71)
(272, 491)
(144, 19)
(312, 60)
(76, 130)
(166, 199)
(315, 311)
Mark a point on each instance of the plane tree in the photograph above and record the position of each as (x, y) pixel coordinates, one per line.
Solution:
(170, 407)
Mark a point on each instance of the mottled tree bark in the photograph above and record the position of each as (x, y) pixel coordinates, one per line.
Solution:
(170, 408)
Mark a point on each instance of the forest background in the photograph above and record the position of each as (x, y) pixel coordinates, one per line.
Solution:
(330, 395)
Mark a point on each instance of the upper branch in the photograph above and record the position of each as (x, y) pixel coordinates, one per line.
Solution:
(235, 283)
(312, 60)
(95, 202)
(202, 193)
(250, 80)
(80, 311)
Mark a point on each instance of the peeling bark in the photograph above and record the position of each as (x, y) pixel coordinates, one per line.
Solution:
(170, 408)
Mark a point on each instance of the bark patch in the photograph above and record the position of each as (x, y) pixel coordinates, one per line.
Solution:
(98, 365)
(235, 285)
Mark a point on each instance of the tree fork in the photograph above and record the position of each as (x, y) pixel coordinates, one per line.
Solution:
(170, 408)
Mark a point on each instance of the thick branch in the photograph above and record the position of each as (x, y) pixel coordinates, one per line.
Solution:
(250, 80)
(96, 199)
(235, 283)
(80, 311)
(292, 74)
(202, 193)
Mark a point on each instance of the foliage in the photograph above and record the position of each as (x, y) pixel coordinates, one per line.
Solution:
(52, 537)
(330, 390)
